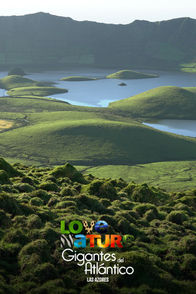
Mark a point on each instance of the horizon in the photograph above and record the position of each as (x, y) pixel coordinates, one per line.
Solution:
(101, 11)
(52, 14)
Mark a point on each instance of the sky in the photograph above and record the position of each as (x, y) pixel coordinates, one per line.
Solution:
(108, 11)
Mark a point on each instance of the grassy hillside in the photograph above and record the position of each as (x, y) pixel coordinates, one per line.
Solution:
(162, 102)
(77, 79)
(54, 130)
(87, 137)
(161, 247)
(129, 75)
(171, 175)
(31, 104)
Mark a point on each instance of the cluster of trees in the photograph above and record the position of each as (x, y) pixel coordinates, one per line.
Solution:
(34, 200)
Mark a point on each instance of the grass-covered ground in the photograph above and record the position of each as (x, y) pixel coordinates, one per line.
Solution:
(170, 175)
(86, 136)
(5, 124)
(35, 91)
(18, 86)
(162, 102)
(130, 74)
(17, 81)
(33, 201)
(77, 79)
(48, 131)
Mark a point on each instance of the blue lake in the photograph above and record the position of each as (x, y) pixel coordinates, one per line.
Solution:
(175, 126)
(103, 91)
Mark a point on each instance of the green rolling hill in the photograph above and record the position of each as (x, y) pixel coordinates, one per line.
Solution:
(85, 136)
(163, 102)
(44, 131)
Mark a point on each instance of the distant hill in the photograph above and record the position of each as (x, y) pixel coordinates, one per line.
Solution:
(44, 40)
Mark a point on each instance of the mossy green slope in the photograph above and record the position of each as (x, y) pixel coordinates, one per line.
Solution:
(130, 74)
(161, 226)
(162, 102)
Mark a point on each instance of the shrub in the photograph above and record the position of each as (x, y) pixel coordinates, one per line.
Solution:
(12, 172)
(52, 201)
(189, 244)
(44, 272)
(143, 193)
(68, 191)
(16, 236)
(141, 209)
(4, 219)
(9, 204)
(129, 188)
(189, 200)
(102, 189)
(4, 178)
(68, 171)
(49, 186)
(36, 201)
(34, 221)
(65, 204)
(90, 202)
(27, 180)
(49, 234)
(177, 217)
(40, 250)
(189, 263)
(24, 187)
(44, 195)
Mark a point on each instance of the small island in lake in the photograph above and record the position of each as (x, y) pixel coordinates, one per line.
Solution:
(77, 79)
(130, 74)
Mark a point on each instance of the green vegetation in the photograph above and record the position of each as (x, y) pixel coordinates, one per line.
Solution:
(35, 91)
(77, 79)
(54, 130)
(189, 67)
(171, 175)
(30, 104)
(19, 86)
(130, 74)
(91, 138)
(33, 201)
(162, 102)
(140, 44)
(15, 81)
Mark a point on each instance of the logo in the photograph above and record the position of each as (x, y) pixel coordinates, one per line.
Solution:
(73, 237)
(76, 227)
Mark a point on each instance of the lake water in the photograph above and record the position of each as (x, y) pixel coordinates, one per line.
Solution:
(103, 91)
(175, 126)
